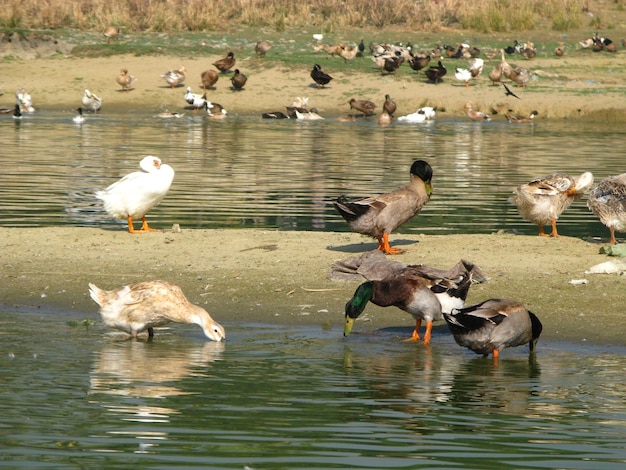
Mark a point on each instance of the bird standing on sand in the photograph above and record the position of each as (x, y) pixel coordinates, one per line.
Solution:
(238, 80)
(175, 77)
(608, 202)
(142, 306)
(225, 64)
(319, 76)
(125, 80)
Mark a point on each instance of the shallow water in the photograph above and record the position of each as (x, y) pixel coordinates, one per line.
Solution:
(289, 397)
(249, 172)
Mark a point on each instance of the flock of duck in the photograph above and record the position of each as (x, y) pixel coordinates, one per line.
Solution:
(427, 294)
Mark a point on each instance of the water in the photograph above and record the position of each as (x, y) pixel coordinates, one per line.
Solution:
(291, 397)
(249, 172)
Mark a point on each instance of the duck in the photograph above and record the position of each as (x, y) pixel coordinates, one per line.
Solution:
(436, 73)
(215, 111)
(348, 52)
(226, 63)
(384, 118)
(136, 193)
(495, 75)
(516, 119)
(238, 80)
(378, 216)
(320, 77)
(142, 306)
(512, 49)
(542, 200)
(476, 66)
(261, 47)
(196, 100)
(463, 75)
(389, 106)
(528, 51)
(111, 32)
(79, 118)
(365, 106)
(311, 115)
(423, 296)
(169, 115)
(493, 325)
(419, 61)
(175, 77)
(24, 100)
(17, 112)
(505, 67)
(274, 115)
(559, 51)
(520, 75)
(209, 79)
(125, 80)
(91, 101)
(608, 202)
(425, 113)
(475, 115)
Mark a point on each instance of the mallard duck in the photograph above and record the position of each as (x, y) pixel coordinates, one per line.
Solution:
(319, 76)
(608, 202)
(493, 325)
(91, 101)
(238, 80)
(544, 199)
(475, 115)
(389, 106)
(514, 119)
(391, 64)
(175, 77)
(226, 63)
(79, 118)
(410, 289)
(274, 115)
(365, 106)
(463, 75)
(169, 115)
(125, 80)
(261, 47)
(142, 306)
(425, 113)
(435, 73)
(196, 100)
(136, 193)
(209, 78)
(111, 32)
(378, 216)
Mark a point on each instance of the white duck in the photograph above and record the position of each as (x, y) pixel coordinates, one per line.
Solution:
(138, 192)
(425, 113)
(91, 101)
(138, 307)
(194, 99)
(24, 100)
(463, 75)
(79, 118)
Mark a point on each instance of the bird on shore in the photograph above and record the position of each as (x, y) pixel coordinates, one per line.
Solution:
(365, 106)
(209, 78)
(463, 75)
(145, 305)
(543, 200)
(493, 325)
(135, 194)
(319, 76)
(508, 92)
(608, 202)
(261, 47)
(516, 119)
(111, 32)
(238, 80)
(175, 77)
(378, 216)
(226, 63)
(196, 100)
(79, 118)
(411, 289)
(125, 80)
(435, 73)
(475, 115)
(91, 101)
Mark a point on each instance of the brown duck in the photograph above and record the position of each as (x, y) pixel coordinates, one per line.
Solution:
(225, 64)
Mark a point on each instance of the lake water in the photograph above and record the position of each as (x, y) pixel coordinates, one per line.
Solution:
(249, 172)
(289, 397)
(73, 395)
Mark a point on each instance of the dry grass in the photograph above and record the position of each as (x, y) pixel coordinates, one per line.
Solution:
(324, 15)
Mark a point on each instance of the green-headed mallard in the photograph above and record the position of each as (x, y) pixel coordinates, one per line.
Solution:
(139, 307)
(544, 199)
(136, 193)
(378, 216)
(492, 325)
(413, 290)
(608, 202)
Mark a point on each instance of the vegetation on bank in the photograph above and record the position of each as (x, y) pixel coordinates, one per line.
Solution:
(326, 16)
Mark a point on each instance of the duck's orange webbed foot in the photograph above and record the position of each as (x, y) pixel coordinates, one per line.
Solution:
(383, 245)
(145, 228)
(416, 335)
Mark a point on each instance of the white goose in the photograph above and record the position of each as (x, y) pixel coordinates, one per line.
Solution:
(139, 307)
(91, 101)
(138, 192)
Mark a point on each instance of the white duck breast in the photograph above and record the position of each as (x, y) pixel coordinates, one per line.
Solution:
(138, 192)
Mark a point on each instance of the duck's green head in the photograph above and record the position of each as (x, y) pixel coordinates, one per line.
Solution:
(423, 171)
(356, 304)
